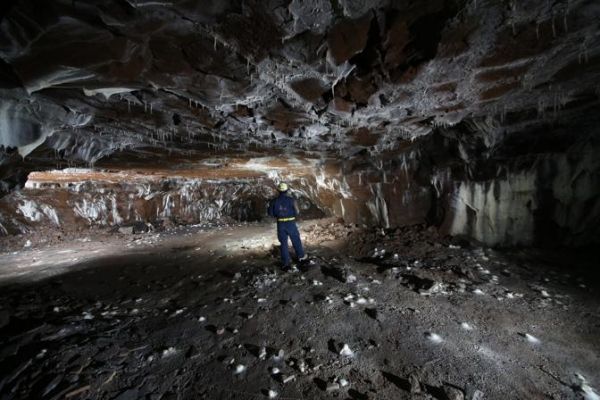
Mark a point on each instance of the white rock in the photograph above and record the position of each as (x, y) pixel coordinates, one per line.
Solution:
(272, 394)
(478, 291)
(27, 243)
(466, 326)
(279, 356)
(531, 338)
(87, 315)
(202, 319)
(343, 382)
(263, 353)
(275, 371)
(169, 352)
(434, 337)
(261, 300)
(351, 278)
(240, 368)
(587, 390)
(333, 387)
(346, 351)
(302, 366)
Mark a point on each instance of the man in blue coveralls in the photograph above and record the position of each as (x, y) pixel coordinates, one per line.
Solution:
(284, 209)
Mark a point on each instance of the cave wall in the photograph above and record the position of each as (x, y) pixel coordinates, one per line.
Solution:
(502, 191)
(479, 118)
(468, 180)
(221, 190)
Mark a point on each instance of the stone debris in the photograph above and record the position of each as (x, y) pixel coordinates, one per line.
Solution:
(530, 338)
(126, 230)
(77, 392)
(239, 369)
(233, 309)
(169, 352)
(586, 390)
(272, 394)
(87, 315)
(437, 287)
(453, 393)
(302, 366)
(262, 355)
(279, 356)
(346, 352)
(434, 337)
(414, 381)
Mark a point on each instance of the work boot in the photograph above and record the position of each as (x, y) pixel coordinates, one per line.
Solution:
(304, 258)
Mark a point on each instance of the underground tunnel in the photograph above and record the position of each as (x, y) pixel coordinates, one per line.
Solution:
(439, 161)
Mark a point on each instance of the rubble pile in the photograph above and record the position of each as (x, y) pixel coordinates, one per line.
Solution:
(182, 319)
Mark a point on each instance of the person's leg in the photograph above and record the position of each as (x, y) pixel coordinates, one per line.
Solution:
(296, 242)
(283, 240)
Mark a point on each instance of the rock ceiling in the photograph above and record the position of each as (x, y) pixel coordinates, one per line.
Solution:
(142, 80)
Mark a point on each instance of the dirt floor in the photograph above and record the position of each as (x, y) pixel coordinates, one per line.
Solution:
(204, 313)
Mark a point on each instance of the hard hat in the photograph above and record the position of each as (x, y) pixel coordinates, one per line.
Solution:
(282, 187)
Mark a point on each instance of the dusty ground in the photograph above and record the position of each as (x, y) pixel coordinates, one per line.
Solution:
(203, 313)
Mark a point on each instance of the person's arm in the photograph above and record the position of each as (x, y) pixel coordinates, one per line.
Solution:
(294, 206)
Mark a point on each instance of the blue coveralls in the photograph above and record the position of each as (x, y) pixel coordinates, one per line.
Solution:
(283, 208)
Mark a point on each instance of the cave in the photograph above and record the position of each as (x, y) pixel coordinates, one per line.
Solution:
(442, 158)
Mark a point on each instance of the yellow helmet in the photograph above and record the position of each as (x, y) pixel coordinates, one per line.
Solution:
(282, 187)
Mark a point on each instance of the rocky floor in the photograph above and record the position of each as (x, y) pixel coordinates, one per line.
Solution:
(203, 313)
